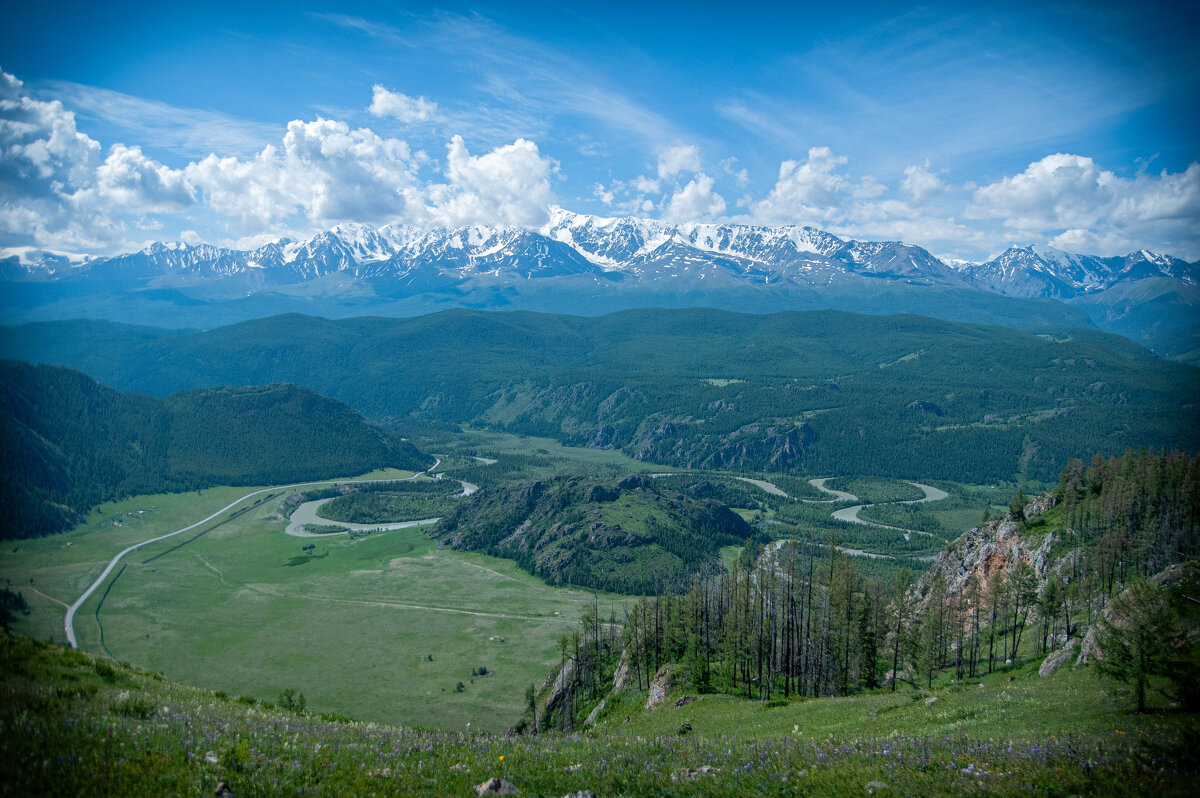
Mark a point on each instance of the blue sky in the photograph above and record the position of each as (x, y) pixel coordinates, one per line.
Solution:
(959, 129)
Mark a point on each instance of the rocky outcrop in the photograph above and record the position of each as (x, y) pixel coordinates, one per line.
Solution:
(991, 547)
(621, 675)
(495, 786)
(660, 686)
(594, 715)
(554, 691)
(620, 682)
(753, 447)
(1057, 659)
(1090, 648)
(926, 407)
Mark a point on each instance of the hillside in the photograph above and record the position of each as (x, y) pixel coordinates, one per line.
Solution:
(629, 537)
(816, 392)
(68, 443)
(1101, 572)
(91, 726)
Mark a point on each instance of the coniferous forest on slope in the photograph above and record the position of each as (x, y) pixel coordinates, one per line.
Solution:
(79, 443)
(797, 392)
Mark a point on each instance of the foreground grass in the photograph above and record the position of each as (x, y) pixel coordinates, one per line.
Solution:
(74, 725)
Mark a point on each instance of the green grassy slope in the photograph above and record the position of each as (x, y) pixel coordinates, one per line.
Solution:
(89, 726)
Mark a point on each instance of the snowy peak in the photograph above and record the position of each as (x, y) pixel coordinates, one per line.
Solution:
(1043, 271)
(612, 248)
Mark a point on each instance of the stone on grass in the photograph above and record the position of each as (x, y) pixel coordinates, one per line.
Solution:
(691, 773)
(495, 786)
(931, 701)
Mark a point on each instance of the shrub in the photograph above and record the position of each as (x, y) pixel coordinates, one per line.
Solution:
(134, 708)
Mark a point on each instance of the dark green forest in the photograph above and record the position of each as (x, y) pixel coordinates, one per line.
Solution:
(68, 443)
(796, 392)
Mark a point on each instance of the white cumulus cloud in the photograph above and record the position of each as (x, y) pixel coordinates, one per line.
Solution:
(58, 193)
(678, 158)
(324, 170)
(1070, 201)
(400, 106)
(141, 185)
(508, 186)
(695, 202)
(920, 184)
(806, 192)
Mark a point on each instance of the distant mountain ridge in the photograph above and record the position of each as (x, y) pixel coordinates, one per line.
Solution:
(584, 263)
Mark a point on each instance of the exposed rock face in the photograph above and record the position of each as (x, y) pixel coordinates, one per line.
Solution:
(659, 687)
(599, 493)
(620, 682)
(621, 676)
(756, 447)
(1090, 648)
(989, 548)
(1057, 658)
(558, 683)
(927, 407)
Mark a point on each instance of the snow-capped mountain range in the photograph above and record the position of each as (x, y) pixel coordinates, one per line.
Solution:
(574, 252)
(578, 244)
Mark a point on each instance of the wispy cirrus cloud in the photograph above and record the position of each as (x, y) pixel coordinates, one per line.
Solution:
(521, 73)
(190, 132)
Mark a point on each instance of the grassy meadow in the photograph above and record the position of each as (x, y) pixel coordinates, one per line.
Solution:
(352, 625)
(379, 628)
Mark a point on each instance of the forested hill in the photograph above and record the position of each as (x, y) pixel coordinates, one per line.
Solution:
(816, 392)
(67, 443)
(632, 536)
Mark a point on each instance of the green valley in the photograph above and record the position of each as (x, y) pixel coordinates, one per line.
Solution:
(705, 575)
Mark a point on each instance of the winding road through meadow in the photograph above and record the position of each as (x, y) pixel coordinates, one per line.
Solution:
(69, 621)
